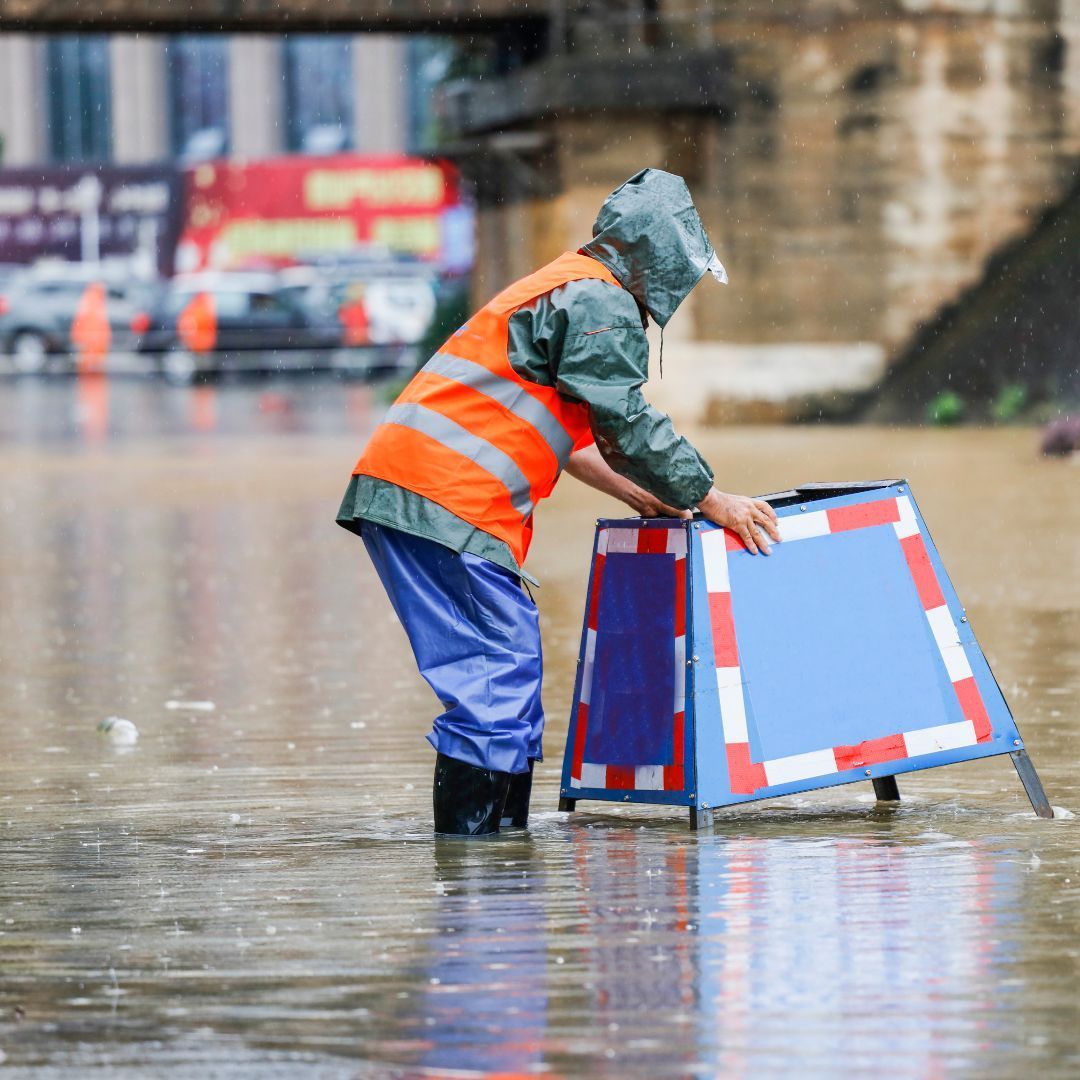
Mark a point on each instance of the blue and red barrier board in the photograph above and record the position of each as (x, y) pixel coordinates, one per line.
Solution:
(709, 676)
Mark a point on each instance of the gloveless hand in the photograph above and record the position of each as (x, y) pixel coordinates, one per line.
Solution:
(748, 518)
(647, 505)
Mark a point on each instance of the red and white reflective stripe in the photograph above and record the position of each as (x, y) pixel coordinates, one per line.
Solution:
(585, 774)
(747, 776)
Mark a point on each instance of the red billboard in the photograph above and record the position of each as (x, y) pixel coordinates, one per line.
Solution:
(298, 209)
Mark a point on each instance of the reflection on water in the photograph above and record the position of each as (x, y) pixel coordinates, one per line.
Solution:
(92, 409)
(829, 948)
(252, 890)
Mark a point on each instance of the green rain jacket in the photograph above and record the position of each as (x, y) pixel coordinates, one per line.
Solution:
(587, 338)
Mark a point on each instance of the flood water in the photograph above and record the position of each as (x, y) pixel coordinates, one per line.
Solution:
(252, 889)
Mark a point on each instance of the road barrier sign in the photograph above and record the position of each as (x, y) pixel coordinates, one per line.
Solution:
(709, 676)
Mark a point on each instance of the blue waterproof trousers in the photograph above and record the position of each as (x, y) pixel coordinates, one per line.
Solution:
(475, 634)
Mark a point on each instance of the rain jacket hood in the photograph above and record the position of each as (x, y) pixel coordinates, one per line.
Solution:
(649, 235)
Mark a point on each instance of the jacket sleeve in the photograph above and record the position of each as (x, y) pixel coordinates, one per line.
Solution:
(597, 353)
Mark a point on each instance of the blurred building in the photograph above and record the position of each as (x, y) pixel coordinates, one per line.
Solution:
(856, 164)
(128, 99)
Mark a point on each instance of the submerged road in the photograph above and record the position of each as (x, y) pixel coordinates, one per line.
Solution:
(251, 889)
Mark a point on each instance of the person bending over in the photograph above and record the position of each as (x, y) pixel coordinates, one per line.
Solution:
(545, 378)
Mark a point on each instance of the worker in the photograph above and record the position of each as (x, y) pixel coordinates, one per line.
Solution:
(91, 333)
(353, 316)
(196, 325)
(545, 378)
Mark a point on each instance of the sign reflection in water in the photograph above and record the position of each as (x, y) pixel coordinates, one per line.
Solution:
(840, 947)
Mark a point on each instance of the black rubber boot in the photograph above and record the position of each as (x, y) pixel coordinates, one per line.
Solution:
(468, 801)
(515, 814)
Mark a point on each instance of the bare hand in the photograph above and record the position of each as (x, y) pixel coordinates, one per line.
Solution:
(647, 505)
(748, 518)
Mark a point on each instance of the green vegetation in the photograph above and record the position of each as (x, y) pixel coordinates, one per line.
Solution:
(1009, 403)
(946, 409)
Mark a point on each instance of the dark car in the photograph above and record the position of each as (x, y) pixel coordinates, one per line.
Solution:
(37, 309)
(259, 325)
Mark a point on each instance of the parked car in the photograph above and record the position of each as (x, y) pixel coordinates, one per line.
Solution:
(259, 325)
(382, 311)
(375, 305)
(38, 306)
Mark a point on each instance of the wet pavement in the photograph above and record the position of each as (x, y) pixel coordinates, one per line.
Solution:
(251, 888)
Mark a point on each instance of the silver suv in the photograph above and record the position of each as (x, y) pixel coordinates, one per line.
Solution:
(38, 306)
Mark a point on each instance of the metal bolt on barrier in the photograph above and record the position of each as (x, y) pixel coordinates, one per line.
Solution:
(802, 509)
(868, 773)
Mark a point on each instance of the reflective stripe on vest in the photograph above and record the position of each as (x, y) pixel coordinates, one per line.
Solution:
(507, 394)
(451, 434)
(473, 435)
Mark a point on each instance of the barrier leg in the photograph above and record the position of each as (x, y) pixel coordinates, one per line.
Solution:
(700, 818)
(1032, 784)
(567, 804)
(886, 789)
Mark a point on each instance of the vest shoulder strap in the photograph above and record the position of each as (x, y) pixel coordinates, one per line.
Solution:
(571, 266)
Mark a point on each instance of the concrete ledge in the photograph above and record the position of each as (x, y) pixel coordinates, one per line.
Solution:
(718, 382)
(565, 84)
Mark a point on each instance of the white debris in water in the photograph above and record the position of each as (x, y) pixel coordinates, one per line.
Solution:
(234, 819)
(191, 706)
(1062, 813)
(76, 929)
(121, 732)
(358, 725)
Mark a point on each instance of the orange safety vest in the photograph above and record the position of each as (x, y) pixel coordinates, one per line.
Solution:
(471, 434)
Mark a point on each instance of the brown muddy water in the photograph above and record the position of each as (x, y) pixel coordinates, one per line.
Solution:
(252, 889)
